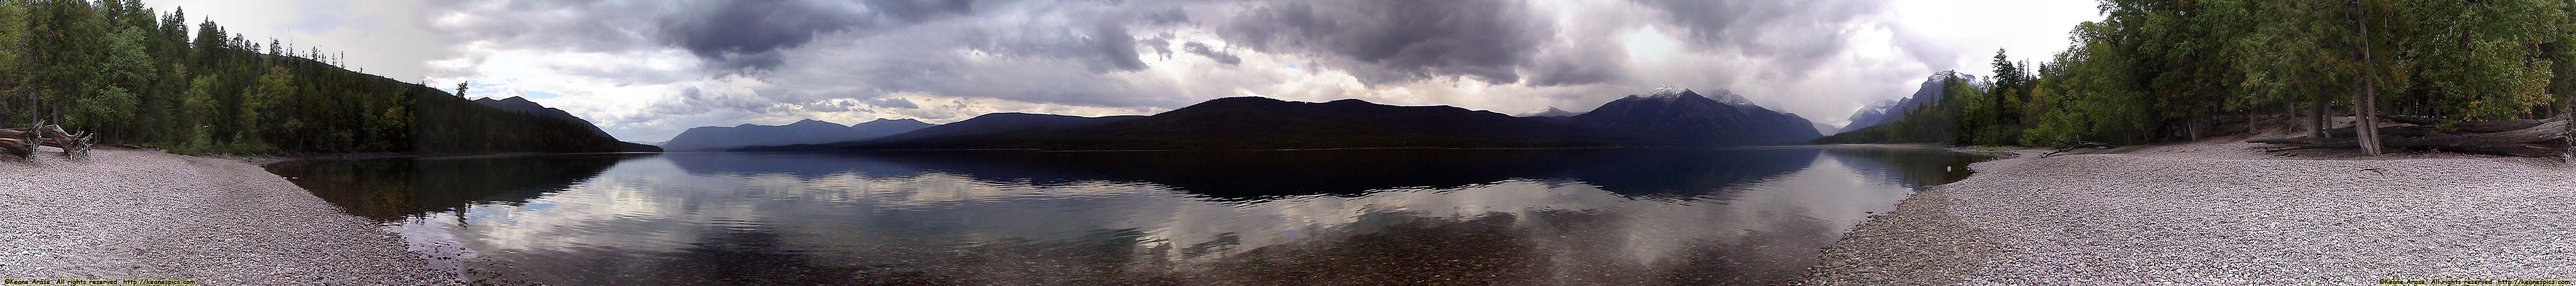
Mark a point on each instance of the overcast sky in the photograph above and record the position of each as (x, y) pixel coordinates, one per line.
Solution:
(645, 70)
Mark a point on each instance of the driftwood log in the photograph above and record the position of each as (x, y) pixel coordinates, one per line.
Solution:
(2527, 138)
(2063, 147)
(23, 143)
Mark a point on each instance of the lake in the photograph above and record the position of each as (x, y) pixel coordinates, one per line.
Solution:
(1324, 217)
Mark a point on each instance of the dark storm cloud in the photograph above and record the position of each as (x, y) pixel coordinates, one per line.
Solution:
(1574, 71)
(1398, 41)
(1213, 54)
(737, 35)
(1801, 34)
(1117, 47)
(759, 56)
(1069, 53)
(1162, 45)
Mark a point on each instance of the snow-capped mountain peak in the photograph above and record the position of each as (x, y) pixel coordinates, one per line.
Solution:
(1666, 92)
(1728, 97)
(1669, 93)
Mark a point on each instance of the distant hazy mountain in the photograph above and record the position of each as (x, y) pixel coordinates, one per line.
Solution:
(522, 105)
(1875, 113)
(1886, 111)
(1551, 111)
(886, 127)
(809, 131)
(1827, 129)
(1671, 116)
(1237, 123)
(1008, 123)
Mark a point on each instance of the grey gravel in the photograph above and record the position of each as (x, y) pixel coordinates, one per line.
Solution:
(2179, 218)
(143, 214)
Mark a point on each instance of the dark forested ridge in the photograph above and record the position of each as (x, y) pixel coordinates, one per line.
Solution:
(1237, 123)
(136, 76)
(1666, 118)
(522, 105)
(2180, 70)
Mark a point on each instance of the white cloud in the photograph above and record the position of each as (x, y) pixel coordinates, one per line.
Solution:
(631, 67)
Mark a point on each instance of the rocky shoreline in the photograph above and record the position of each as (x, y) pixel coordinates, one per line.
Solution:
(2220, 213)
(145, 214)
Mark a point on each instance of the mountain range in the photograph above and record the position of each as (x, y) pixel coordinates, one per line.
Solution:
(1005, 124)
(1886, 111)
(1671, 116)
(1261, 123)
(809, 131)
(522, 105)
(1666, 117)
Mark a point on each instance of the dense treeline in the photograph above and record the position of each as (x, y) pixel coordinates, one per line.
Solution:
(2156, 70)
(137, 77)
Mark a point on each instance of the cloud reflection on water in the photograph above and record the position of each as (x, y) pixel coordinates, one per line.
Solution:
(1090, 218)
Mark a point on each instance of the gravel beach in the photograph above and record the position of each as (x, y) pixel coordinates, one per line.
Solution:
(145, 214)
(2221, 213)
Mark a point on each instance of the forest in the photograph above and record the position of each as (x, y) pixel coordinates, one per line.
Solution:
(2169, 70)
(134, 76)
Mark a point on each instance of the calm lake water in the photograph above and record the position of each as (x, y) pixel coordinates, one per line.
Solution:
(1347, 217)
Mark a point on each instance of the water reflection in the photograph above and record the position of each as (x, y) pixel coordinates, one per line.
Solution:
(1901, 165)
(1258, 176)
(391, 189)
(1357, 217)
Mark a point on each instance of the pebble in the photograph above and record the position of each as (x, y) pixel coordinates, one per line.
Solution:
(133, 214)
(2172, 218)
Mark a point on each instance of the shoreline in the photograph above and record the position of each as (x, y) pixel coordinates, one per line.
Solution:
(149, 214)
(2219, 212)
(264, 160)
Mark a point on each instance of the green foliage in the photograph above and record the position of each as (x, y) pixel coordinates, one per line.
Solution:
(199, 111)
(260, 105)
(135, 76)
(2478, 60)
(2156, 70)
(110, 106)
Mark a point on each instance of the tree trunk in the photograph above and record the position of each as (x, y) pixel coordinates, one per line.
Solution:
(22, 143)
(2191, 126)
(2317, 123)
(2365, 119)
(2365, 105)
